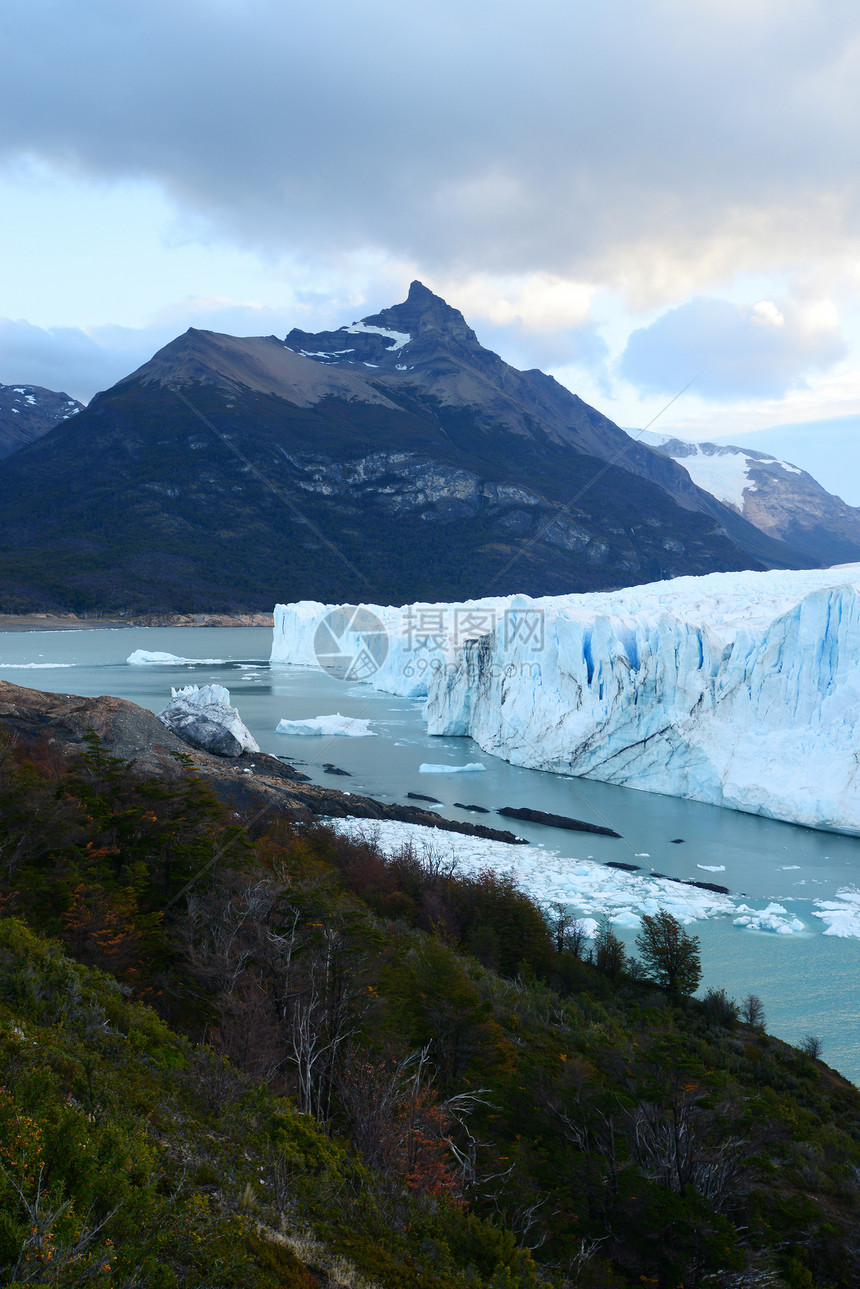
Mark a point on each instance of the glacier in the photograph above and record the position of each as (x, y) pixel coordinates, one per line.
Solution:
(422, 639)
(735, 689)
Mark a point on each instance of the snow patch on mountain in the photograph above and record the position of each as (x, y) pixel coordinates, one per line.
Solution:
(722, 470)
(400, 338)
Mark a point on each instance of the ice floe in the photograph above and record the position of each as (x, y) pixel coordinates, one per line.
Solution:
(841, 915)
(335, 726)
(773, 918)
(33, 666)
(591, 888)
(152, 658)
(426, 767)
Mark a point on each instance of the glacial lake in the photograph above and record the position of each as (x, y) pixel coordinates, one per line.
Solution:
(809, 982)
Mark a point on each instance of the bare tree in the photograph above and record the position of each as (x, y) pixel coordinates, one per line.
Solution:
(670, 1144)
(567, 930)
(316, 960)
(812, 1046)
(752, 1011)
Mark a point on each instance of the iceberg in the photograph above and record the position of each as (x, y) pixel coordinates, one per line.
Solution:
(203, 717)
(469, 768)
(773, 918)
(842, 915)
(736, 689)
(335, 726)
(152, 658)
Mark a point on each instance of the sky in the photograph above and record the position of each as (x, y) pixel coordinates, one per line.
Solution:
(642, 197)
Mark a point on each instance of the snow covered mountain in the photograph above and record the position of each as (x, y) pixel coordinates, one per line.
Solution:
(391, 459)
(779, 498)
(28, 411)
(737, 689)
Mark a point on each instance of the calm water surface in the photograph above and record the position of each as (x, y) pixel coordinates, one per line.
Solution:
(809, 983)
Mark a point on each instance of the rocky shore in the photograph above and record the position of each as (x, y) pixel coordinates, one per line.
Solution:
(253, 784)
(71, 621)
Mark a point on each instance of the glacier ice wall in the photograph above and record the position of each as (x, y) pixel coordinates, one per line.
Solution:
(737, 689)
(421, 638)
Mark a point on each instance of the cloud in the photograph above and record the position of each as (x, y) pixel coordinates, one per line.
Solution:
(523, 328)
(82, 361)
(582, 142)
(48, 356)
(733, 351)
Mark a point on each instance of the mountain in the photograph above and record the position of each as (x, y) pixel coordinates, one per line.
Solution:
(779, 498)
(28, 411)
(390, 460)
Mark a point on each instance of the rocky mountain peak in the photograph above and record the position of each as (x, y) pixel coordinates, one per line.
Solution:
(421, 330)
(422, 311)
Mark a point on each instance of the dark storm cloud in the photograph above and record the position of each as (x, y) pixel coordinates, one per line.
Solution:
(499, 137)
(732, 351)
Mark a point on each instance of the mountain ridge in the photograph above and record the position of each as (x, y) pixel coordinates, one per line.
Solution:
(228, 473)
(782, 500)
(29, 411)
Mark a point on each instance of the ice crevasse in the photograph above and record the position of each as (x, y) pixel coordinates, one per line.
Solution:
(737, 689)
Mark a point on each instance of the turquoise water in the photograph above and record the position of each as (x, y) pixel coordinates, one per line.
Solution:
(807, 981)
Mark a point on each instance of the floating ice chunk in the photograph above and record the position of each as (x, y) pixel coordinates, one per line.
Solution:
(146, 657)
(34, 666)
(594, 890)
(203, 717)
(789, 868)
(842, 915)
(426, 768)
(712, 868)
(773, 918)
(335, 726)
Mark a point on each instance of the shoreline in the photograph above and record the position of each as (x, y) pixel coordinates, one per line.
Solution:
(71, 622)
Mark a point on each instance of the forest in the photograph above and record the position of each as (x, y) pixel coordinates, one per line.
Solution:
(252, 1052)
